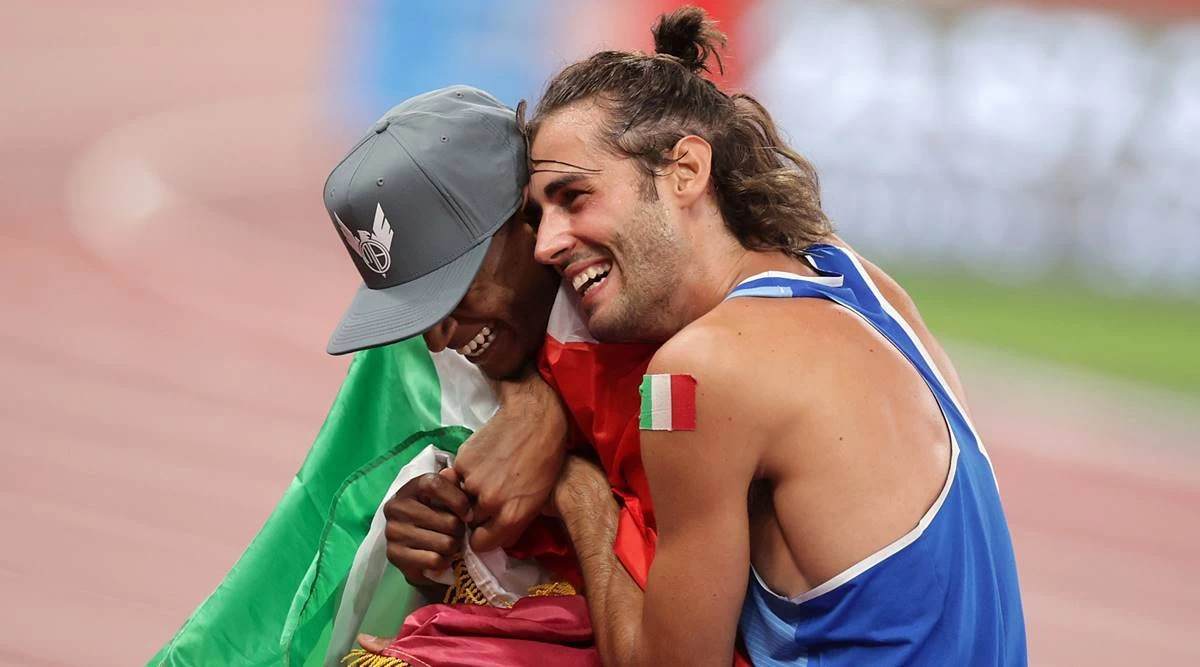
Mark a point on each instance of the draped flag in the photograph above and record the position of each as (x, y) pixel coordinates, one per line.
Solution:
(304, 587)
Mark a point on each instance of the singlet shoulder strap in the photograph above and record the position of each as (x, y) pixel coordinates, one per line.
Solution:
(841, 278)
(787, 284)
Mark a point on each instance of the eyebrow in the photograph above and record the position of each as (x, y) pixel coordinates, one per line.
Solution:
(553, 187)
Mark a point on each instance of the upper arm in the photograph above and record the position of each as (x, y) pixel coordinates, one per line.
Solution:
(699, 481)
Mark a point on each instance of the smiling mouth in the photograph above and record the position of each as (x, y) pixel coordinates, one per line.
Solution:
(591, 277)
(479, 344)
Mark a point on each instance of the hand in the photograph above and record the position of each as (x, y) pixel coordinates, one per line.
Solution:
(511, 464)
(426, 520)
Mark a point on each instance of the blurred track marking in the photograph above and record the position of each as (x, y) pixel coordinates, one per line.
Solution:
(136, 171)
(194, 196)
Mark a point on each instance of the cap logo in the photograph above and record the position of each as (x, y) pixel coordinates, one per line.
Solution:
(373, 247)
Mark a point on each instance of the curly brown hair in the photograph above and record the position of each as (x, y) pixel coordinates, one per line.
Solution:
(768, 194)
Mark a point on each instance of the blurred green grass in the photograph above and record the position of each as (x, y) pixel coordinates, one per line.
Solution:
(1148, 340)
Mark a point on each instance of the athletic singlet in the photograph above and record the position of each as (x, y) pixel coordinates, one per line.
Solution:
(946, 592)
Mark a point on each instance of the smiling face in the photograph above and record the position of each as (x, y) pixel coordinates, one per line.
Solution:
(605, 230)
(501, 321)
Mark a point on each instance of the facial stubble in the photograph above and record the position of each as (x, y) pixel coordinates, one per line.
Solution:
(651, 263)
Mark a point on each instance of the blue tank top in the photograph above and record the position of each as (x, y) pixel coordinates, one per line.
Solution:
(946, 592)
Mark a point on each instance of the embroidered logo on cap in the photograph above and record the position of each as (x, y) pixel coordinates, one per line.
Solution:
(373, 247)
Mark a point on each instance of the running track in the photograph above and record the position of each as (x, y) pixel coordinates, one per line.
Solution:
(168, 280)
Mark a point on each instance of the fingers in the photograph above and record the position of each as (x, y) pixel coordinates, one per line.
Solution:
(372, 643)
(451, 475)
(414, 512)
(447, 543)
(426, 521)
(415, 562)
(442, 493)
(433, 490)
(489, 535)
(504, 529)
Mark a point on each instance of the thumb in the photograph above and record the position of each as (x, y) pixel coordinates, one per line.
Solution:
(484, 538)
(503, 530)
(372, 643)
(450, 475)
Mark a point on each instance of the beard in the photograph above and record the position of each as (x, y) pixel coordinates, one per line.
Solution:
(651, 263)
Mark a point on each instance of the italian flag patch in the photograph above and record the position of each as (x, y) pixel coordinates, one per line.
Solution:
(668, 403)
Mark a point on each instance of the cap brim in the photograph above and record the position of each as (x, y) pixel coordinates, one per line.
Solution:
(381, 316)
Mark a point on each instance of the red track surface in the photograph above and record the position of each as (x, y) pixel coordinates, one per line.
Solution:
(168, 279)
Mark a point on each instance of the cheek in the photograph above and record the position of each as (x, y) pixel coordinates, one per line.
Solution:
(595, 221)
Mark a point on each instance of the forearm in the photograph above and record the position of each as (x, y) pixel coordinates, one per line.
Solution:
(614, 599)
(529, 396)
(533, 420)
(511, 463)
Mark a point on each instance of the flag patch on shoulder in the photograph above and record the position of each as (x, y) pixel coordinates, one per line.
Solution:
(668, 403)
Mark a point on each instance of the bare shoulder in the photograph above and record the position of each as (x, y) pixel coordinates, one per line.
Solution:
(907, 307)
(781, 359)
(700, 460)
(728, 344)
(756, 359)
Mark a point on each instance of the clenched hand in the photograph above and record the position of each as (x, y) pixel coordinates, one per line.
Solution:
(511, 464)
(426, 521)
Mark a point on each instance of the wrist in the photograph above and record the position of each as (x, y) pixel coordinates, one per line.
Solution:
(589, 513)
(529, 397)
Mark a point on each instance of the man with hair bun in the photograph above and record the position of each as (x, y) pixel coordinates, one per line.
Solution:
(817, 484)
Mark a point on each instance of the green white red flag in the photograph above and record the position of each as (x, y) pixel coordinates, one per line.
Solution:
(668, 403)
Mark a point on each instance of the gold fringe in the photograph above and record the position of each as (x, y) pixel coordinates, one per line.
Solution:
(363, 658)
(464, 590)
(552, 589)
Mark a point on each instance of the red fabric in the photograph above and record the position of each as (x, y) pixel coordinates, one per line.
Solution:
(599, 384)
(536, 631)
(635, 541)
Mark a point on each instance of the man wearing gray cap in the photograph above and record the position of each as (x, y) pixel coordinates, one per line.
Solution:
(443, 172)
(428, 204)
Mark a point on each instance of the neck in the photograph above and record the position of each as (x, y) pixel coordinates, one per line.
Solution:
(718, 264)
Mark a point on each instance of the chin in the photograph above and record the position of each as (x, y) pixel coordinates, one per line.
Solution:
(622, 330)
(607, 332)
(505, 366)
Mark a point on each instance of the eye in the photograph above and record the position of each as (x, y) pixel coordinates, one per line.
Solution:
(532, 213)
(572, 200)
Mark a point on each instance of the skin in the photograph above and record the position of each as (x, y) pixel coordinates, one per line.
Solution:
(814, 484)
(504, 473)
(511, 296)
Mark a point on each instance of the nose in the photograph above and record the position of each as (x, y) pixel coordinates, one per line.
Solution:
(437, 338)
(554, 239)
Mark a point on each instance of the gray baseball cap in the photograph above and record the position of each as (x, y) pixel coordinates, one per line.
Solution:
(416, 203)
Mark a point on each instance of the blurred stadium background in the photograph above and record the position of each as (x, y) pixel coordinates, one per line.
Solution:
(169, 276)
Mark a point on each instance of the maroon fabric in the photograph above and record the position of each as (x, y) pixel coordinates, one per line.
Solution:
(536, 631)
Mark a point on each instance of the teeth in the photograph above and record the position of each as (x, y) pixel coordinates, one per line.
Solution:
(479, 344)
(587, 275)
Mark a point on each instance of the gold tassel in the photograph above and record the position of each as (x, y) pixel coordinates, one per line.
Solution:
(464, 590)
(363, 658)
(552, 589)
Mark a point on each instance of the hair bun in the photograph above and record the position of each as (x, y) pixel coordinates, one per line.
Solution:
(689, 36)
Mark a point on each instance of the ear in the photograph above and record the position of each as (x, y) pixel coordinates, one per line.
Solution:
(690, 172)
